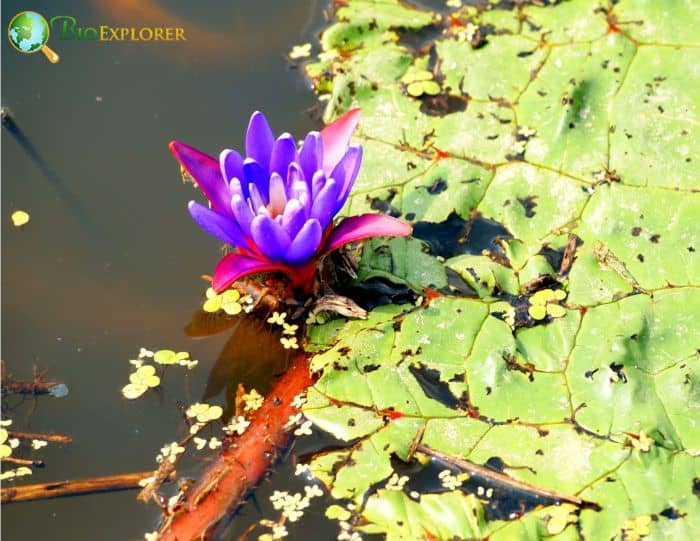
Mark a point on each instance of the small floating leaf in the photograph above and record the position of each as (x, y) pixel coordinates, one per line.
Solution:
(20, 218)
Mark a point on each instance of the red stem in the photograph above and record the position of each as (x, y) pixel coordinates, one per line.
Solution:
(243, 463)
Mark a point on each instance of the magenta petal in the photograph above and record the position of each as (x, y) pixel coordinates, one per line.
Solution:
(363, 227)
(259, 140)
(305, 243)
(236, 266)
(223, 228)
(206, 172)
(269, 237)
(336, 137)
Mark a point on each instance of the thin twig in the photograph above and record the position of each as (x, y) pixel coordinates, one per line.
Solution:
(504, 480)
(53, 438)
(75, 487)
(23, 462)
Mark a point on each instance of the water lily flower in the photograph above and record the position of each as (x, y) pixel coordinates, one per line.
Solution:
(276, 205)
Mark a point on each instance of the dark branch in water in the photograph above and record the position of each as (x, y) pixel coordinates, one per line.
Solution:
(243, 461)
(38, 386)
(503, 480)
(60, 489)
(53, 438)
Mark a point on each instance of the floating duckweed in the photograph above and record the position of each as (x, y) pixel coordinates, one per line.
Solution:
(636, 528)
(336, 512)
(170, 451)
(560, 517)
(5, 449)
(277, 318)
(204, 413)
(454, 4)
(526, 131)
(196, 427)
(419, 82)
(199, 443)
(417, 75)
(38, 444)
(642, 443)
(140, 381)
(237, 425)
(289, 329)
(147, 481)
(396, 483)
(293, 420)
(144, 353)
(299, 400)
(212, 443)
(252, 400)
(300, 51)
(301, 469)
(168, 356)
(451, 481)
(19, 472)
(289, 343)
(228, 301)
(418, 88)
(20, 218)
(545, 303)
(304, 429)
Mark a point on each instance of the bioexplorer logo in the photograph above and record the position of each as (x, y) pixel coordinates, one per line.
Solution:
(29, 32)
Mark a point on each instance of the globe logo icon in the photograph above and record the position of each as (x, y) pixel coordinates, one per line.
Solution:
(29, 32)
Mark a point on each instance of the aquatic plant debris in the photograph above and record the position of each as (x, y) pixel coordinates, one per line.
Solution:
(572, 118)
(20, 218)
(276, 205)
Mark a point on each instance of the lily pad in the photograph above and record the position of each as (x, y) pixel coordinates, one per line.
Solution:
(575, 365)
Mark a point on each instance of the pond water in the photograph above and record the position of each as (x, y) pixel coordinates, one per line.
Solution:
(110, 260)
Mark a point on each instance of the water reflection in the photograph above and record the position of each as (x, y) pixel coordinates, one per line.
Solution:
(251, 356)
(81, 306)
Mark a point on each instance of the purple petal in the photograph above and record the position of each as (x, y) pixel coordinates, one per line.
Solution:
(256, 199)
(294, 174)
(206, 172)
(293, 218)
(223, 228)
(336, 137)
(259, 140)
(254, 173)
(324, 203)
(311, 154)
(278, 196)
(363, 227)
(269, 237)
(317, 182)
(300, 190)
(284, 152)
(238, 187)
(305, 243)
(235, 266)
(231, 164)
(345, 174)
(242, 213)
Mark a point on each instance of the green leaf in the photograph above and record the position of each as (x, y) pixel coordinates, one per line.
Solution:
(573, 126)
